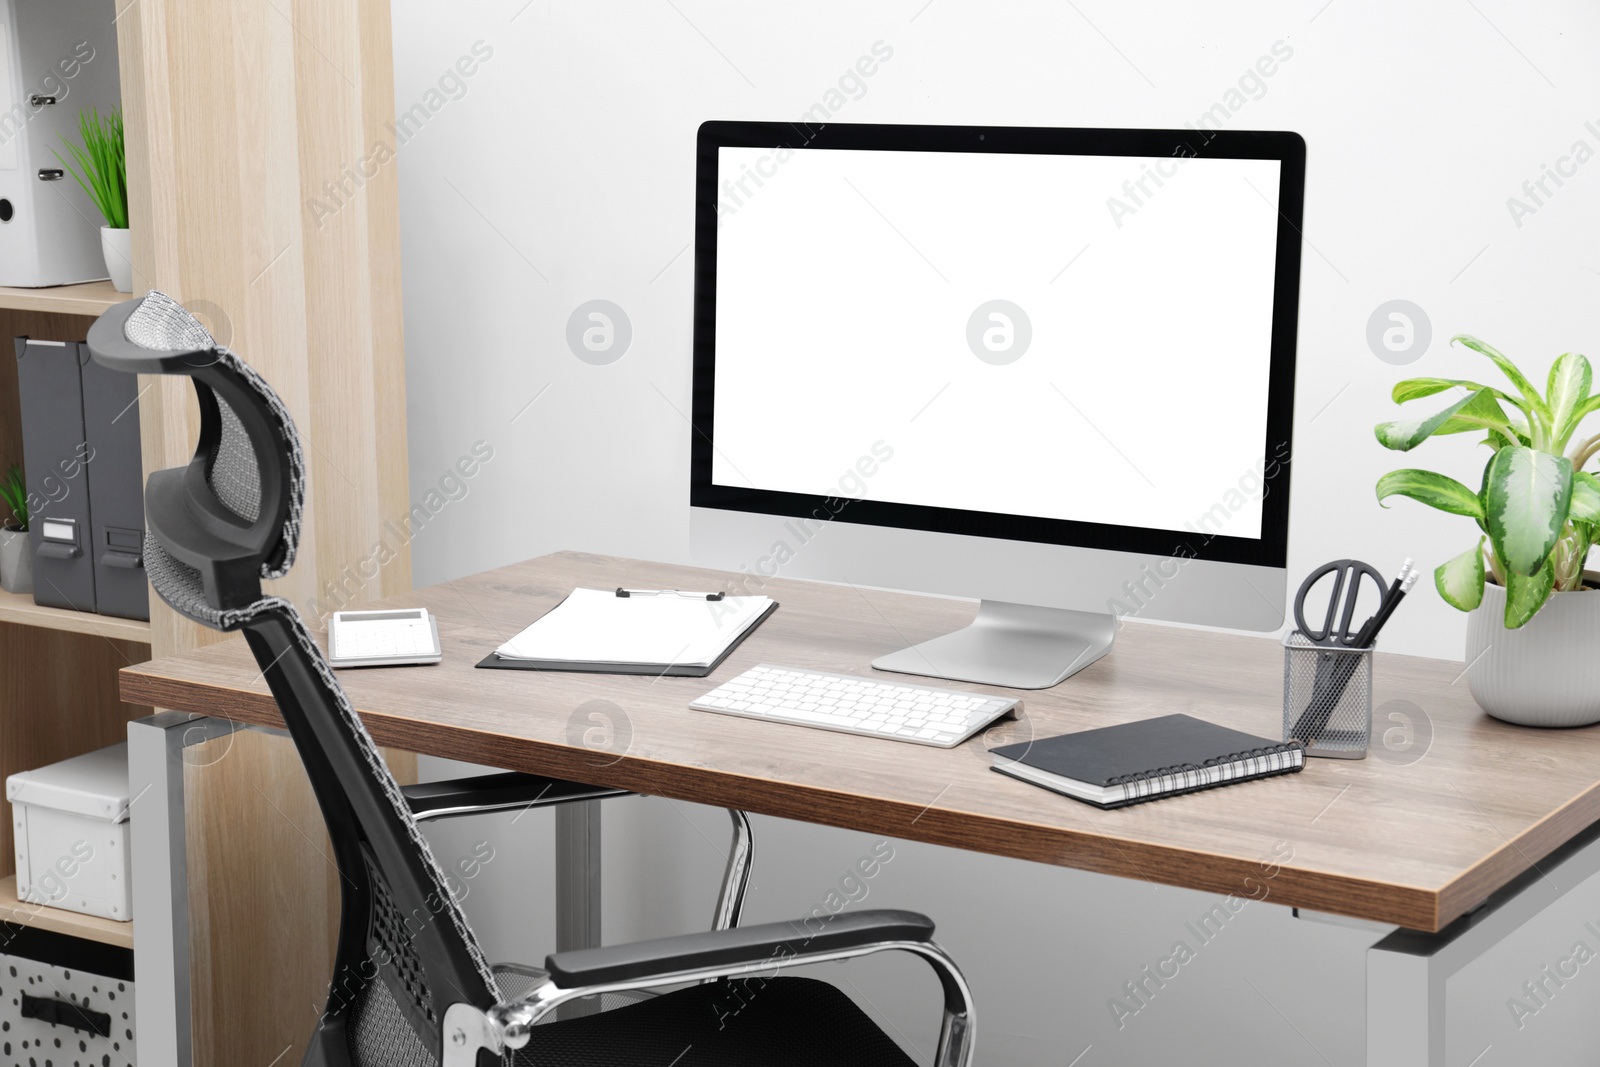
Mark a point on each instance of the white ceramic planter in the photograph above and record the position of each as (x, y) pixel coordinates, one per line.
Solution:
(16, 562)
(1545, 674)
(118, 250)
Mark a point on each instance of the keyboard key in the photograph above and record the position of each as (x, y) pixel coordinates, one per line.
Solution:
(822, 719)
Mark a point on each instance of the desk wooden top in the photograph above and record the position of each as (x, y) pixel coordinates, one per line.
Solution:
(1392, 838)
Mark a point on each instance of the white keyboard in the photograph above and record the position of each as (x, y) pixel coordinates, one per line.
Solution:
(920, 714)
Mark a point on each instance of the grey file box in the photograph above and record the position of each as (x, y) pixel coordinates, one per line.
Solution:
(116, 491)
(55, 453)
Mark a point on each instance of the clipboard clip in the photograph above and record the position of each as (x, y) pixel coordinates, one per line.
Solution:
(670, 592)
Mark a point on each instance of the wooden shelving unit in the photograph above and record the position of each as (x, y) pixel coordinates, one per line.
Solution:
(58, 669)
(88, 298)
(20, 608)
(39, 917)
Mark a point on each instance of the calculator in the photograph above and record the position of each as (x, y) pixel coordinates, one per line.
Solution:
(391, 638)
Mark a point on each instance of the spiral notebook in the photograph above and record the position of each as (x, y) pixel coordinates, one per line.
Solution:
(1147, 760)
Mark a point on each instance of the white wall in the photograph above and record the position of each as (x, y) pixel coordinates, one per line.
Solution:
(563, 173)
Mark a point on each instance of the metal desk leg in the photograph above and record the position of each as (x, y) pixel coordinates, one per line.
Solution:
(578, 875)
(1407, 970)
(1405, 1004)
(578, 887)
(161, 880)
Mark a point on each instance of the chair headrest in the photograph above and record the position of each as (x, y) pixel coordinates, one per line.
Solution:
(232, 516)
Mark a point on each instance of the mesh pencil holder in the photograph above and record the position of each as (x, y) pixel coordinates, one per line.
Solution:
(1327, 697)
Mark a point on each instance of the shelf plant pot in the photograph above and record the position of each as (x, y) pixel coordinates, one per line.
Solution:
(16, 561)
(1546, 673)
(118, 250)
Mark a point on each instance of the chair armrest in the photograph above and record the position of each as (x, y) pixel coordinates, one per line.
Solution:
(743, 951)
(741, 945)
(496, 792)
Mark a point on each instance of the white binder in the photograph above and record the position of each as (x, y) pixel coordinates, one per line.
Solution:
(56, 57)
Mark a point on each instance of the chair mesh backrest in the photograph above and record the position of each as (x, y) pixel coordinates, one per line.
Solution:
(234, 474)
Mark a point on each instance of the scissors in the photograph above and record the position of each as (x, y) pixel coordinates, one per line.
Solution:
(1347, 575)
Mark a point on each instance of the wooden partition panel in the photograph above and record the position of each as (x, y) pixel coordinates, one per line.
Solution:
(239, 118)
(273, 925)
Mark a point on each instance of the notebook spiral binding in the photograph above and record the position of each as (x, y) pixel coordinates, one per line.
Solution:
(1263, 762)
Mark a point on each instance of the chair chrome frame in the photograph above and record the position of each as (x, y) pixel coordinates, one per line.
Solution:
(508, 1026)
(736, 877)
(511, 791)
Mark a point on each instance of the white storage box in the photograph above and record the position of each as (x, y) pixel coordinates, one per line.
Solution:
(71, 823)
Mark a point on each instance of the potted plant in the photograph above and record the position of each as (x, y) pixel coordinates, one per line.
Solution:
(100, 165)
(1533, 635)
(16, 561)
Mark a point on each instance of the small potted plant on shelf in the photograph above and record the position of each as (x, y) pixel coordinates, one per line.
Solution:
(100, 165)
(1533, 635)
(16, 561)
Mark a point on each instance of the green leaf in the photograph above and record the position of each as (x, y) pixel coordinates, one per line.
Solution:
(1582, 411)
(1535, 405)
(1585, 498)
(1570, 378)
(1526, 496)
(14, 494)
(1481, 412)
(1417, 388)
(1497, 441)
(1435, 490)
(99, 166)
(1526, 594)
(1403, 435)
(1460, 581)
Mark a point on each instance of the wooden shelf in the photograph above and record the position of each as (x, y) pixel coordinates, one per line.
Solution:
(39, 917)
(88, 298)
(20, 608)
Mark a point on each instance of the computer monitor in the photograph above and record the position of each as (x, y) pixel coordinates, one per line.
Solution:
(1049, 369)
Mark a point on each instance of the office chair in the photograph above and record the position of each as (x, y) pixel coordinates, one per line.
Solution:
(412, 986)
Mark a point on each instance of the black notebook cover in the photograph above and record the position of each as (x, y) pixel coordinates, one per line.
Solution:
(1138, 753)
(673, 670)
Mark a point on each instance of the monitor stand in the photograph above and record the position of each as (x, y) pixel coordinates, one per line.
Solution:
(1019, 646)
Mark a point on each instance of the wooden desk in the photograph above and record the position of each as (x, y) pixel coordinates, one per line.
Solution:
(1416, 844)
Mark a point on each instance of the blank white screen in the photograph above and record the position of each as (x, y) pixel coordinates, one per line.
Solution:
(845, 284)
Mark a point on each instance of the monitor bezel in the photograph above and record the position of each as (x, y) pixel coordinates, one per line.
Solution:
(1271, 549)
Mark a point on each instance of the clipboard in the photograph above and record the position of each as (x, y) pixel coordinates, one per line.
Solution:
(698, 668)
